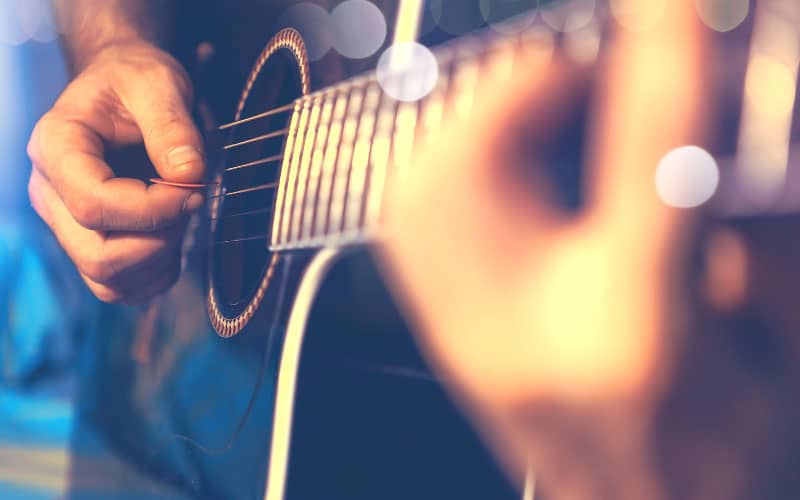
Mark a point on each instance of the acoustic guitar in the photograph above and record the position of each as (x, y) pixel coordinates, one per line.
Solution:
(306, 392)
(300, 180)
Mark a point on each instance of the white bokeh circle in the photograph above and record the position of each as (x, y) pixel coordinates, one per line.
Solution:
(314, 24)
(359, 28)
(407, 71)
(12, 29)
(637, 15)
(723, 15)
(569, 16)
(687, 177)
(455, 17)
(509, 16)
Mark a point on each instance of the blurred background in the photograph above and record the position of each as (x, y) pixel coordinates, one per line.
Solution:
(41, 304)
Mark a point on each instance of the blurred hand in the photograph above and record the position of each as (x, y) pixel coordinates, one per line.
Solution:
(526, 308)
(123, 235)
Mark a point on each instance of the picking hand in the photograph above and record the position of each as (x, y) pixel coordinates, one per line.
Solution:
(123, 235)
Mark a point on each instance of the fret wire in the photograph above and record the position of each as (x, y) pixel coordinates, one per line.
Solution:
(462, 48)
(405, 130)
(315, 178)
(305, 166)
(501, 55)
(280, 207)
(361, 160)
(432, 109)
(263, 161)
(344, 163)
(326, 176)
(293, 167)
(465, 79)
(329, 163)
(381, 154)
(271, 135)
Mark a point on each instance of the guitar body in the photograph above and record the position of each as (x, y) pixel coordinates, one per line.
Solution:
(310, 387)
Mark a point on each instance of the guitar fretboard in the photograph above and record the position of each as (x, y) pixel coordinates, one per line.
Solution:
(344, 142)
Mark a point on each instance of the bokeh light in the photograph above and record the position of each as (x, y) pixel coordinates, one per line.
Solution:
(637, 15)
(11, 29)
(509, 16)
(456, 17)
(542, 38)
(359, 28)
(314, 23)
(584, 45)
(31, 16)
(723, 15)
(407, 71)
(569, 16)
(687, 177)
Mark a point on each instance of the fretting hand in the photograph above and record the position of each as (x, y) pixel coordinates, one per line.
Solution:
(525, 308)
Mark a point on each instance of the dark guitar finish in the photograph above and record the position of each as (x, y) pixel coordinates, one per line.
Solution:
(174, 411)
(356, 413)
(171, 410)
(370, 420)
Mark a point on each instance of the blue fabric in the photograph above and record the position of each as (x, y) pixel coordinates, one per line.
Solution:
(43, 307)
(44, 312)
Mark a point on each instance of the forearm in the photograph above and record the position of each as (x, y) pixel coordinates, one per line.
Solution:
(91, 25)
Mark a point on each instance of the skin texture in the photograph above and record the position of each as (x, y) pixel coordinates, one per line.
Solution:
(123, 235)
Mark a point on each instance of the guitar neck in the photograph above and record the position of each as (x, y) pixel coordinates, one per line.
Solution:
(346, 140)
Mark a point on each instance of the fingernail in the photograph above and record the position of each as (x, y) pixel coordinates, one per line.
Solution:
(184, 157)
(193, 202)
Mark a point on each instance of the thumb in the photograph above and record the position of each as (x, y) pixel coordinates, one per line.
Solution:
(173, 142)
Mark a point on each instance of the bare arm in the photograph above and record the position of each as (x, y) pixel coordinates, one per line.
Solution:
(91, 25)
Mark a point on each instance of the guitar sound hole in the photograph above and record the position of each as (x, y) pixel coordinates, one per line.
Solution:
(248, 175)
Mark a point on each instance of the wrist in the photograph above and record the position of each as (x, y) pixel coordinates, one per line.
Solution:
(83, 52)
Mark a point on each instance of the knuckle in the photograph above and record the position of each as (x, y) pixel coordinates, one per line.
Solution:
(167, 125)
(46, 129)
(98, 266)
(160, 73)
(166, 74)
(87, 211)
(38, 204)
(33, 194)
(106, 294)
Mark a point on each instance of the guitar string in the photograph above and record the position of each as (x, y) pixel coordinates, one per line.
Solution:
(260, 377)
(255, 163)
(305, 100)
(271, 135)
(243, 214)
(446, 54)
(259, 188)
(262, 187)
(251, 404)
(299, 104)
(265, 114)
(243, 240)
